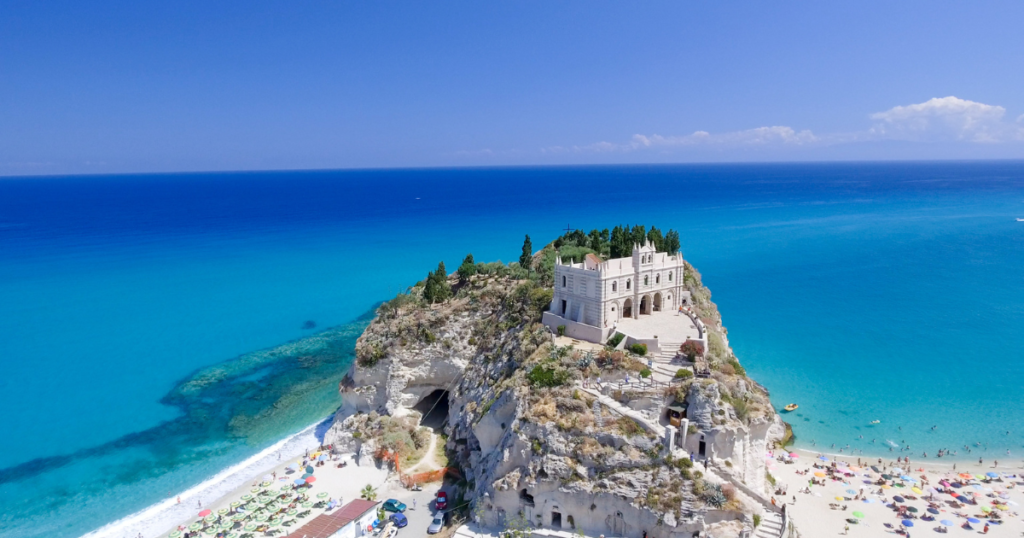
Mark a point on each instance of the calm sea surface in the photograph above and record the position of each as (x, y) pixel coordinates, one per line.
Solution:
(130, 306)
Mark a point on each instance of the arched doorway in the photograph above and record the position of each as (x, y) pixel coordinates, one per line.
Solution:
(657, 302)
(645, 304)
(627, 308)
(613, 311)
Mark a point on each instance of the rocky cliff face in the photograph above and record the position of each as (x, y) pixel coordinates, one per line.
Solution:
(533, 446)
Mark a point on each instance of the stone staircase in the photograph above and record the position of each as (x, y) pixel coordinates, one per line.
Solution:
(770, 527)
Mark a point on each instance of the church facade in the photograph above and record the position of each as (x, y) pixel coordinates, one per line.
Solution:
(591, 296)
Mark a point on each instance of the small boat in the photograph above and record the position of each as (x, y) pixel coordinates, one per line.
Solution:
(791, 407)
(1020, 220)
(875, 421)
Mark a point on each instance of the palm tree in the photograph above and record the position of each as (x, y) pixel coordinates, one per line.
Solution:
(369, 493)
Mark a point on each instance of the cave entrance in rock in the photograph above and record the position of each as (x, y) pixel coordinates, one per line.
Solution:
(556, 520)
(434, 408)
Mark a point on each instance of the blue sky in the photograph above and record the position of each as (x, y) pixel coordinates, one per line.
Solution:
(105, 87)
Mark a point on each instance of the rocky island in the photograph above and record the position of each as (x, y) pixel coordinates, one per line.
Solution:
(547, 433)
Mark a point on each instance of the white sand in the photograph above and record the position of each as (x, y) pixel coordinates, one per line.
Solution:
(813, 517)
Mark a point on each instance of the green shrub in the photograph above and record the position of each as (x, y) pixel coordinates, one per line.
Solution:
(736, 366)
(615, 339)
(561, 330)
(768, 476)
(691, 429)
(683, 373)
(645, 373)
(757, 520)
(548, 377)
(638, 349)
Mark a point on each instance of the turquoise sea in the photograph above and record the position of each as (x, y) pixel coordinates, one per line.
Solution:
(140, 316)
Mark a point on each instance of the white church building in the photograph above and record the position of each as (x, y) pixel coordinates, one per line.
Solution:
(593, 295)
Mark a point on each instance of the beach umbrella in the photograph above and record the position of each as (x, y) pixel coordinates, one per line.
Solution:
(858, 514)
(822, 458)
(933, 511)
(322, 495)
(222, 511)
(839, 498)
(992, 475)
(899, 499)
(875, 469)
(979, 477)
(986, 509)
(236, 504)
(965, 476)
(299, 481)
(908, 478)
(246, 497)
(855, 468)
(194, 527)
(907, 523)
(310, 479)
(250, 527)
(204, 513)
(851, 492)
(819, 474)
(947, 522)
(912, 509)
(292, 512)
(323, 457)
(794, 455)
(292, 466)
(310, 469)
(917, 490)
(973, 520)
(869, 501)
(886, 486)
(1002, 507)
(887, 476)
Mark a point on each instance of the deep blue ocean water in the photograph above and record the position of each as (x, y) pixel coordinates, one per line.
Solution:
(130, 305)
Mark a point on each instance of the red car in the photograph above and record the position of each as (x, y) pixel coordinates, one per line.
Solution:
(441, 502)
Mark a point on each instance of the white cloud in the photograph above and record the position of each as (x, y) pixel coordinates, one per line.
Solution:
(759, 137)
(946, 118)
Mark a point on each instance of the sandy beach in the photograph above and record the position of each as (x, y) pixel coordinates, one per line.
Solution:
(818, 509)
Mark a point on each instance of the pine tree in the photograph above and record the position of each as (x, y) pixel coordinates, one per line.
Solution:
(672, 242)
(467, 269)
(526, 258)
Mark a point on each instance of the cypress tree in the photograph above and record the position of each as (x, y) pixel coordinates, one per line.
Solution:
(526, 258)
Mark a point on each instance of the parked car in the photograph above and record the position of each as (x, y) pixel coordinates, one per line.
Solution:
(399, 519)
(437, 524)
(441, 503)
(392, 505)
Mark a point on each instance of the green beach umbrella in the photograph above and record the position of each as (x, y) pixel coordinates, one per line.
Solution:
(292, 512)
(858, 514)
(236, 504)
(174, 534)
(246, 497)
(194, 527)
(322, 495)
(307, 504)
(285, 488)
(250, 527)
(222, 511)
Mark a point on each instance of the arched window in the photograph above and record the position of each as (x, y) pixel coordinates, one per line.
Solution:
(615, 286)
(646, 278)
(563, 281)
(629, 282)
(670, 276)
(657, 279)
